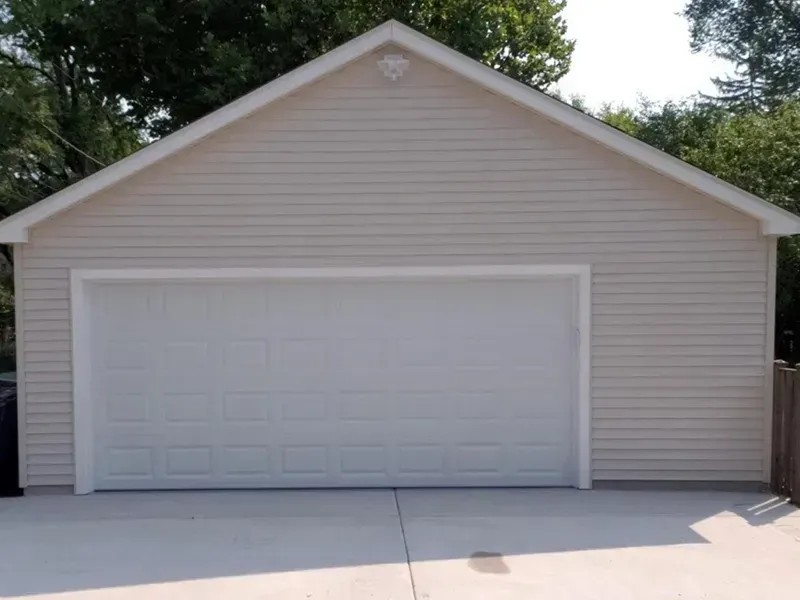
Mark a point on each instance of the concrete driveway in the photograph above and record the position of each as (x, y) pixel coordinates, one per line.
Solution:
(415, 544)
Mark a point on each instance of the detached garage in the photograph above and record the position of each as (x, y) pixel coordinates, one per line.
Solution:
(394, 267)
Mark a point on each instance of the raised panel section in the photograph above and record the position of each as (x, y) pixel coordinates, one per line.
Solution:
(479, 405)
(309, 353)
(364, 406)
(303, 407)
(363, 460)
(186, 355)
(421, 405)
(188, 462)
(126, 408)
(420, 459)
(245, 354)
(537, 458)
(186, 408)
(130, 462)
(479, 459)
(359, 353)
(305, 460)
(246, 406)
(478, 351)
(130, 355)
(247, 461)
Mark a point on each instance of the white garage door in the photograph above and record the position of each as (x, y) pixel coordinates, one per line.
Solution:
(327, 384)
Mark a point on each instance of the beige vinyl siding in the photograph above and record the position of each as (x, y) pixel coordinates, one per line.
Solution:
(357, 170)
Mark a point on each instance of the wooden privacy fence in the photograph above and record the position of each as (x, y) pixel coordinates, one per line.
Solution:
(786, 432)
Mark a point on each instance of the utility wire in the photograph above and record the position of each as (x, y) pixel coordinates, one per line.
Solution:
(60, 137)
(70, 144)
(39, 181)
(53, 132)
(56, 134)
(11, 190)
(102, 104)
(45, 184)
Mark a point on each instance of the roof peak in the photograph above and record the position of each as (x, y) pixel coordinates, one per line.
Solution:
(774, 220)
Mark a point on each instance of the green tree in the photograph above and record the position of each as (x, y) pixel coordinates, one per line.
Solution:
(26, 164)
(672, 127)
(56, 127)
(761, 38)
(176, 60)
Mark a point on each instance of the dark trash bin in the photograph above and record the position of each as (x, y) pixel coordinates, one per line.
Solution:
(9, 453)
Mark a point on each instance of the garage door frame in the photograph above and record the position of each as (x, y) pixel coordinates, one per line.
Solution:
(81, 343)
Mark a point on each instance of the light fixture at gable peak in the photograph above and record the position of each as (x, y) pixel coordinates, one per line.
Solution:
(393, 66)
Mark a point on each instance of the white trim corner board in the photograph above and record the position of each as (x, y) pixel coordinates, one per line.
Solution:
(585, 378)
(769, 373)
(81, 343)
(19, 346)
(81, 384)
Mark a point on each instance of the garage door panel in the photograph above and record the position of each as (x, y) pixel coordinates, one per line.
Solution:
(418, 405)
(129, 462)
(246, 408)
(363, 408)
(189, 462)
(267, 384)
(130, 406)
(247, 461)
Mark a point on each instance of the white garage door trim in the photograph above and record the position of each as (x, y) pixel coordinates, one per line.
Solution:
(81, 351)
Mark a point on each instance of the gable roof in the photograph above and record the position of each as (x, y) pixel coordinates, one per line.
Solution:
(774, 220)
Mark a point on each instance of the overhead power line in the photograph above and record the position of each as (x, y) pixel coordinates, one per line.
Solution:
(53, 132)
(70, 144)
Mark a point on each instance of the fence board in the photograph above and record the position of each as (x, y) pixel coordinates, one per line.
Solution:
(776, 480)
(794, 438)
(785, 480)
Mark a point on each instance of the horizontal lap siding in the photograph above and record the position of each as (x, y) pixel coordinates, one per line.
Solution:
(431, 170)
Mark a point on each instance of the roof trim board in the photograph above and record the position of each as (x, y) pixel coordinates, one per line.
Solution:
(774, 220)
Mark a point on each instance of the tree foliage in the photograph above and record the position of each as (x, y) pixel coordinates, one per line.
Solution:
(761, 38)
(672, 127)
(176, 60)
(55, 127)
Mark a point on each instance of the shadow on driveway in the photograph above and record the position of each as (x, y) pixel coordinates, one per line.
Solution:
(66, 544)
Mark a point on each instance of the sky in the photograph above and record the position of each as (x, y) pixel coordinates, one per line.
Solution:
(627, 48)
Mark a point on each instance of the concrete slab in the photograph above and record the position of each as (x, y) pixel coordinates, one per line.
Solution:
(242, 545)
(463, 544)
(565, 544)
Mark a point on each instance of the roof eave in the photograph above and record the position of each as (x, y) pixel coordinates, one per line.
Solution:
(779, 228)
(15, 236)
(774, 220)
